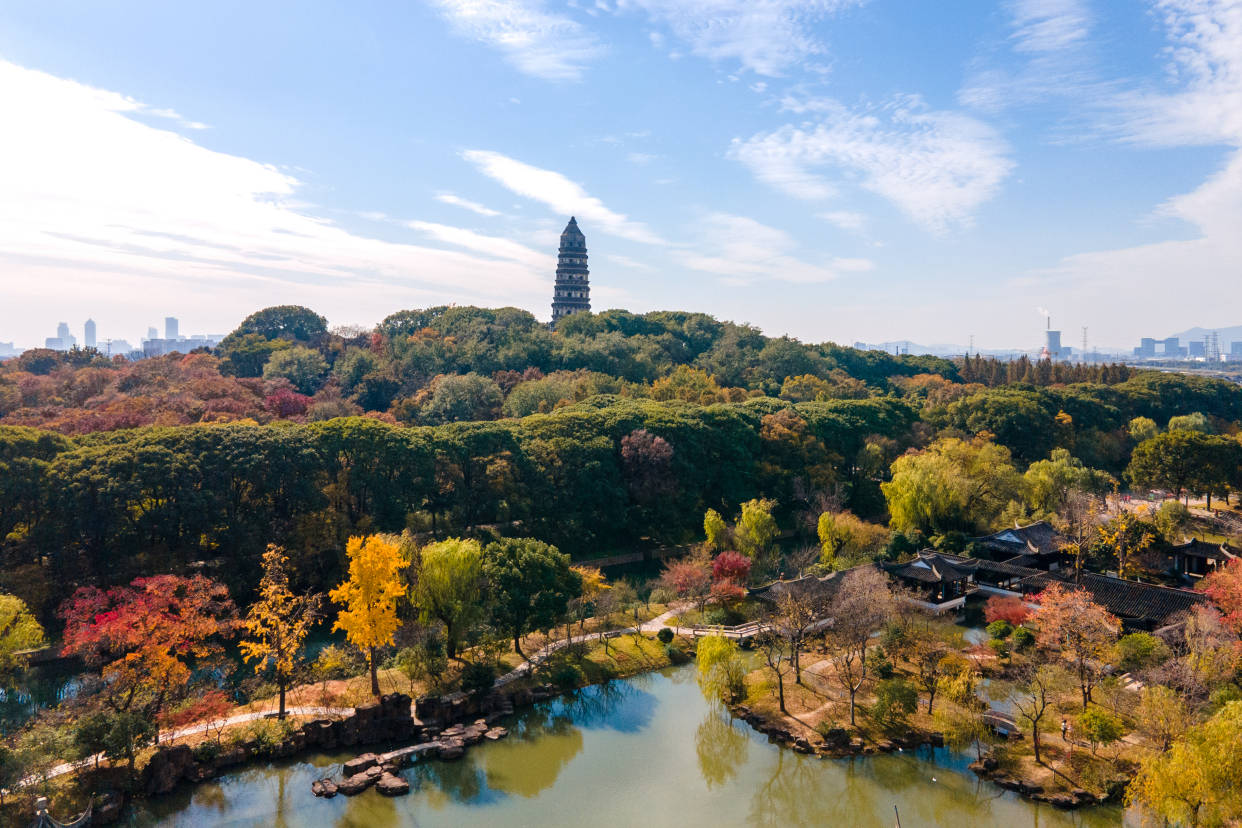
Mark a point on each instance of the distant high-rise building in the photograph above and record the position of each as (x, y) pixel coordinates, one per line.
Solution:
(88, 331)
(170, 327)
(1147, 348)
(152, 333)
(572, 292)
(1173, 348)
(1196, 349)
(1235, 350)
(63, 340)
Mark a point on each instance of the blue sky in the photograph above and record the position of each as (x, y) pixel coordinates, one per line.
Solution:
(834, 169)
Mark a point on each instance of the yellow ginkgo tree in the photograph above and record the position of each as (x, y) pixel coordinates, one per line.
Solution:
(370, 596)
(277, 623)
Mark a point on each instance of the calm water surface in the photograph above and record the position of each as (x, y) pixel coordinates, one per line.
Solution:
(647, 751)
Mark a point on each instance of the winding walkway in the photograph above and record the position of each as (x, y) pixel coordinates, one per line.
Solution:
(536, 658)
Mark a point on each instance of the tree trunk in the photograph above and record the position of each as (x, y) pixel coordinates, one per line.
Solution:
(852, 692)
(375, 691)
(931, 698)
(1035, 741)
(780, 689)
(797, 662)
(517, 646)
(281, 714)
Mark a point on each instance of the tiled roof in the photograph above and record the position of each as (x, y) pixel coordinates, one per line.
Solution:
(1126, 599)
(933, 567)
(1201, 549)
(1038, 538)
(816, 588)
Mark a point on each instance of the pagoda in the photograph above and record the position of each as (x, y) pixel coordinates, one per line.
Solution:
(572, 292)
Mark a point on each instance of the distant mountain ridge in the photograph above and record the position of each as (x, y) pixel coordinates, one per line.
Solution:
(1227, 335)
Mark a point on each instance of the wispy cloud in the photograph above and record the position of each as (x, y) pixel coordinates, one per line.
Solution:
(157, 218)
(466, 204)
(766, 36)
(845, 219)
(1200, 106)
(1041, 26)
(495, 246)
(537, 42)
(744, 250)
(937, 166)
(559, 193)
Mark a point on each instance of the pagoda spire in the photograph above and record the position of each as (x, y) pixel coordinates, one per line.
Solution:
(572, 291)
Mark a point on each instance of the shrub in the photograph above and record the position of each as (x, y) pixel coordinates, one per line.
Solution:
(675, 654)
(567, 676)
(269, 734)
(665, 635)
(894, 701)
(1138, 650)
(207, 751)
(1100, 727)
(478, 676)
(1000, 628)
(716, 615)
(1023, 639)
(1223, 695)
(1000, 646)
(1007, 608)
(883, 667)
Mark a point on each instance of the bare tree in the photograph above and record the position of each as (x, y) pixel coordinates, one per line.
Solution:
(802, 559)
(778, 653)
(795, 615)
(1035, 694)
(861, 605)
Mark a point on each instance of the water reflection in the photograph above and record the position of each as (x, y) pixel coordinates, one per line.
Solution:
(650, 752)
(721, 746)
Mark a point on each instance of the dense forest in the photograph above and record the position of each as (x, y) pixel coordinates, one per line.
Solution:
(613, 430)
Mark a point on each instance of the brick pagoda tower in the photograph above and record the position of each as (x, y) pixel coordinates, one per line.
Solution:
(573, 291)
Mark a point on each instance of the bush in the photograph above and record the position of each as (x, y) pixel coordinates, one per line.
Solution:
(894, 701)
(883, 667)
(716, 615)
(675, 654)
(269, 735)
(207, 751)
(567, 676)
(1138, 650)
(665, 635)
(1023, 639)
(1100, 727)
(1000, 646)
(478, 676)
(1223, 695)
(999, 629)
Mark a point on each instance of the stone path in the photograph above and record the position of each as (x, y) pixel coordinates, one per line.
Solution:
(653, 626)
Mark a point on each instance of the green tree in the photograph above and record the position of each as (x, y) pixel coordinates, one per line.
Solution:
(1142, 428)
(115, 735)
(755, 531)
(19, 631)
(716, 530)
(247, 354)
(722, 674)
(1100, 727)
(1050, 483)
(290, 322)
(895, 700)
(1195, 782)
(1173, 460)
(1195, 421)
(304, 368)
(954, 485)
(450, 588)
(456, 398)
(1162, 715)
(530, 585)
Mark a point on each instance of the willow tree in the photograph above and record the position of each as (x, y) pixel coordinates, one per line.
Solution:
(277, 623)
(450, 587)
(370, 596)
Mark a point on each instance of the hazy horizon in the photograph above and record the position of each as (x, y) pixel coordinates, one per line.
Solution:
(832, 169)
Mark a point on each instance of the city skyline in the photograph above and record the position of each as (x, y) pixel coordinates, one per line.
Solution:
(832, 170)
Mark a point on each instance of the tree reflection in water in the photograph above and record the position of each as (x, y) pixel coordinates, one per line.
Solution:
(721, 745)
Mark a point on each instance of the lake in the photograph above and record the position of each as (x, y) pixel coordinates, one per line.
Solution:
(648, 750)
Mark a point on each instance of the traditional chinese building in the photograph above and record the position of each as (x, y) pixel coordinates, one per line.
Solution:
(572, 292)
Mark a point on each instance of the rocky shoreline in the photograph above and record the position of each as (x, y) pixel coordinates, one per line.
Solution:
(838, 744)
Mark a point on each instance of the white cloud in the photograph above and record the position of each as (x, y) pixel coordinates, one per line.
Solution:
(558, 193)
(937, 166)
(1049, 25)
(496, 246)
(1203, 109)
(766, 36)
(97, 204)
(845, 219)
(466, 204)
(537, 42)
(626, 261)
(744, 250)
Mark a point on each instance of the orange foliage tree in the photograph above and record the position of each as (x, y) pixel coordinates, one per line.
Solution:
(147, 637)
(1224, 588)
(1082, 630)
